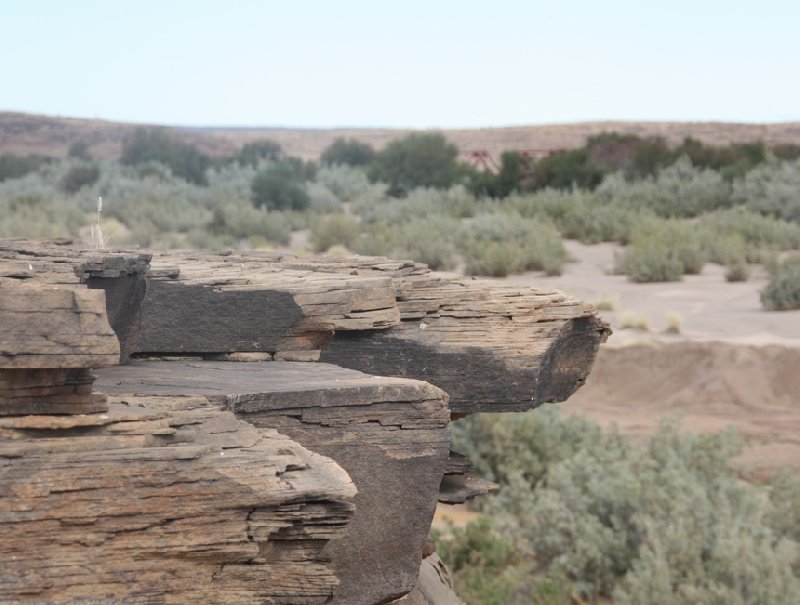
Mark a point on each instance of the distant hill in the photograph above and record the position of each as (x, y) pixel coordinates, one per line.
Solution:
(22, 133)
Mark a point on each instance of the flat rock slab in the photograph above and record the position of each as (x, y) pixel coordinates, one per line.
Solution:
(490, 345)
(51, 327)
(165, 500)
(389, 434)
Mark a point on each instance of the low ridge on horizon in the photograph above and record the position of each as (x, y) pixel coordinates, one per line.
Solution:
(27, 133)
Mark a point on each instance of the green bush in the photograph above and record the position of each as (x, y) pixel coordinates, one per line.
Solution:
(662, 251)
(16, 166)
(147, 145)
(334, 230)
(428, 241)
(253, 154)
(737, 270)
(772, 189)
(567, 169)
(80, 176)
(782, 293)
(348, 184)
(347, 152)
(278, 188)
(498, 244)
(664, 522)
(239, 221)
(416, 160)
(678, 191)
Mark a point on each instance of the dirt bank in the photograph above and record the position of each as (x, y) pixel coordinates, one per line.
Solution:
(711, 385)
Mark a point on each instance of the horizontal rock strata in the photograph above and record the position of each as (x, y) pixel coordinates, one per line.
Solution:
(194, 480)
(164, 500)
(389, 434)
(491, 347)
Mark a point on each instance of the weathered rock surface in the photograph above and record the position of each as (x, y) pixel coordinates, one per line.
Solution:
(175, 501)
(179, 489)
(389, 434)
(434, 586)
(491, 347)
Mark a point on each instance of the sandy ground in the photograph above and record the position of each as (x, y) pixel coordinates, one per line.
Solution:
(731, 365)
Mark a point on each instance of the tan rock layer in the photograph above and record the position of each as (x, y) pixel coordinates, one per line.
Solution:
(390, 435)
(164, 500)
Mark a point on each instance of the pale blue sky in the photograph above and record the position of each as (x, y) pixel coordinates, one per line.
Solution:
(404, 64)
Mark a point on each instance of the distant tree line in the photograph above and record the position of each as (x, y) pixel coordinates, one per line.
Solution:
(416, 160)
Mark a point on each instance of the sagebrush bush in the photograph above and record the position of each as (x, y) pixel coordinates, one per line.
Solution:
(666, 522)
(772, 189)
(662, 251)
(498, 243)
(579, 215)
(334, 230)
(782, 293)
(679, 191)
(428, 241)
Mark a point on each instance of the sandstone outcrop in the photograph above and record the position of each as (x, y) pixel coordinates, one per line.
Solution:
(277, 433)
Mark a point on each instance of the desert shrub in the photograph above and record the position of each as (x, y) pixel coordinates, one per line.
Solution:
(79, 150)
(278, 187)
(757, 230)
(34, 216)
(514, 175)
(376, 239)
(733, 160)
(416, 160)
(665, 522)
(428, 241)
(80, 176)
(724, 248)
(737, 270)
(16, 166)
(678, 191)
(494, 259)
(253, 154)
(488, 570)
(347, 152)
(455, 202)
(322, 200)
(634, 156)
(146, 145)
(567, 169)
(662, 251)
(349, 184)
(782, 292)
(336, 229)
(772, 189)
(239, 221)
(499, 243)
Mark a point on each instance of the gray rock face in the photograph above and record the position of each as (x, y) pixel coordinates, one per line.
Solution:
(229, 466)
(389, 434)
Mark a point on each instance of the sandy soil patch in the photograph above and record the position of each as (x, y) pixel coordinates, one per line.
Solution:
(732, 365)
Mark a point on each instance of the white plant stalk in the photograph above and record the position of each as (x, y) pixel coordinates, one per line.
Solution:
(98, 240)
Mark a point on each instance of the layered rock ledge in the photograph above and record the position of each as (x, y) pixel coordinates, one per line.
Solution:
(278, 431)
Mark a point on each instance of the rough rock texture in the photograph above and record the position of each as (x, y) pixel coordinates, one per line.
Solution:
(176, 501)
(434, 587)
(389, 434)
(491, 347)
(179, 489)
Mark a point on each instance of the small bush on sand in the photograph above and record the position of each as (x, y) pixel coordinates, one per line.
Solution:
(664, 522)
(634, 321)
(737, 270)
(662, 251)
(335, 229)
(782, 293)
(427, 241)
(498, 244)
